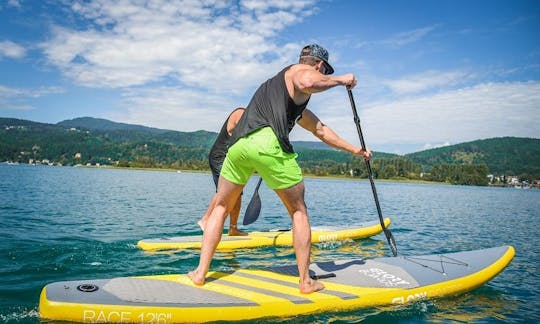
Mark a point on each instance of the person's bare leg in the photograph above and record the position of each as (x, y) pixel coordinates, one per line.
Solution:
(233, 220)
(293, 199)
(227, 194)
(204, 218)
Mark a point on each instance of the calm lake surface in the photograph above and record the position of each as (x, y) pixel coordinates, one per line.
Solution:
(65, 223)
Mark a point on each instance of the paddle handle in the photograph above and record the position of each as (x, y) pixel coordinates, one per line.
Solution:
(387, 233)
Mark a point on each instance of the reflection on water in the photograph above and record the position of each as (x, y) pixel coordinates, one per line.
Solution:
(483, 303)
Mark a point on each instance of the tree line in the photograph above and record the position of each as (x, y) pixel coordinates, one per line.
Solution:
(401, 168)
(115, 144)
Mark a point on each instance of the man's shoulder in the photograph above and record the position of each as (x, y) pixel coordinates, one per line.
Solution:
(299, 67)
(295, 69)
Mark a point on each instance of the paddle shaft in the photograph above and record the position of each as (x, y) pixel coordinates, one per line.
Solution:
(387, 233)
(256, 191)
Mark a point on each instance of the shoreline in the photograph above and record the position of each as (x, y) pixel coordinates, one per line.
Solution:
(307, 176)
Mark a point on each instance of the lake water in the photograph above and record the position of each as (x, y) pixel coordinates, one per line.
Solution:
(65, 223)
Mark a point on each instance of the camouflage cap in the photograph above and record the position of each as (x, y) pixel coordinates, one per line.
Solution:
(319, 52)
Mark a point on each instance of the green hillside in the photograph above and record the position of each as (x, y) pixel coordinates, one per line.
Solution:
(105, 125)
(120, 132)
(87, 141)
(503, 156)
(98, 141)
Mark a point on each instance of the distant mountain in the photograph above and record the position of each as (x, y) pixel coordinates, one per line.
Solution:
(503, 155)
(103, 125)
(120, 132)
(92, 140)
(14, 122)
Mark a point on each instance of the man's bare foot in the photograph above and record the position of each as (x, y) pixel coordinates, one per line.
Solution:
(310, 286)
(234, 231)
(196, 277)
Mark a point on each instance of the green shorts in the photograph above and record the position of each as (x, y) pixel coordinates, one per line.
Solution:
(260, 151)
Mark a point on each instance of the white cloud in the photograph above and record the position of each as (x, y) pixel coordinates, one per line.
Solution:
(395, 41)
(263, 5)
(180, 65)
(481, 111)
(218, 45)
(14, 3)
(408, 37)
(16, 98)
(428, 80)
(10, 49)
(174, 108)
(10, 92)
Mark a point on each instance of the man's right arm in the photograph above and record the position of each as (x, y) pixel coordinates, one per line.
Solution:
(308, 80)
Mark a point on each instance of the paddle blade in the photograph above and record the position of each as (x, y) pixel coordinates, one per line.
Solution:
(253, 209)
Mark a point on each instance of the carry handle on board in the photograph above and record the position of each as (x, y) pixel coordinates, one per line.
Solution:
(387, 233)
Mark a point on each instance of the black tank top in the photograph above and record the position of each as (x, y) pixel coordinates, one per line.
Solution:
(219, 149)
(272, 106)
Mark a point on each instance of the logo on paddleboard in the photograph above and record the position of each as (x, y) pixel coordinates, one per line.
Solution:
(383, 277)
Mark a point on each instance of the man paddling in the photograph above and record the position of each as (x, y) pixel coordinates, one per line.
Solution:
(260, 142)
(215, 159)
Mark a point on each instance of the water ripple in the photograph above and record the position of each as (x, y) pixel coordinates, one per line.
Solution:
(64, 223)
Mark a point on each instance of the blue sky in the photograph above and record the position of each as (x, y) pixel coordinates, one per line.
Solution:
(431, 73)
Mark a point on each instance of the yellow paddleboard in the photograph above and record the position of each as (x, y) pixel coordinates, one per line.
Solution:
(248, 294)
(260, 239)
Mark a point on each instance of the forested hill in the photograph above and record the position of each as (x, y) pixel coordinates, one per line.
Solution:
(120, 132)
(105, 125)
(98, 141)
(503, 155)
